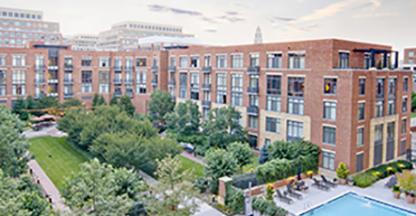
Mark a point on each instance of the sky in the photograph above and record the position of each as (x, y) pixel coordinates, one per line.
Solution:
(224, 22)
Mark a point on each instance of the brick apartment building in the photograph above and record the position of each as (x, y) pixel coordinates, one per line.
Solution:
(345, 96)
(409, 62)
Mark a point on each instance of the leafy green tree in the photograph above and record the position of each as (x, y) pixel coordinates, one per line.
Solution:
(223, 127)
(47, 102)
(160, 104)
(184, 122)
(73, 102)
(19, 108)
(98, 100)
(264, 154)
(241, 152)
(219, 163)
(114, 101)
(100, 189)
(175, 191)
(413, 101)
(73, 124)
(13, 147)
(18, 196)
(126, 105)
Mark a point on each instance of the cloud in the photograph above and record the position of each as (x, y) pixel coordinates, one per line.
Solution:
(209, 20)
(211, 30)
(327, 11)
(283, 19)
(161, 8)
(231, 19)
(232, 13)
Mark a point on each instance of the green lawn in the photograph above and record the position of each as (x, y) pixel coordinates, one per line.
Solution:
(57, 157)
(197, 169)
(413, 115)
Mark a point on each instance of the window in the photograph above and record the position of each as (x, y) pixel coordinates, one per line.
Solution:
(267, 142)
(361, 111)
(254, 60)
(2, 83)
(404, 104)
(272, 124)
(39, 62)
(330, 86)
(405, 84)
(183, 79)
(392, 86)
(273, 103)
(104, 80)
(19, 81)
(404, 127)
(19, 60)
(172, 61)
(294, 130)
(329, 135)
(359, 162)
(360, 137)
(330, 110)
(236, 89)
(274, 84)
(129, 64)
(221, 88)
(141, 80)
(402, 149)
(194, 61)
(236, 61)
(183, 62)
(207, 61)
(2, 59)
(221, 61)
(411, 53)
(344, 59)
(274, 60)
(380, 87)
(86, 81)
(296, 106)
(296, 86)
(296, 60)
(253, 100)
(87, 62)
(361, 86)
(141, 62)
(328, 160)
(252, 122)
(391, 107)
(104, 62)
(379, 112)
(194, 86)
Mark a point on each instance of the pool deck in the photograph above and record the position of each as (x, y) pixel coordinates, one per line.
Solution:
(315, 197)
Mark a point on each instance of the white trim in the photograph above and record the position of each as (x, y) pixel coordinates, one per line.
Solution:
(344, 51)
(329, 125)
(330, 151)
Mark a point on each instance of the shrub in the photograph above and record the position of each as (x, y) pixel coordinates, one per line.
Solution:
(342, 171)
(234, 199)
(407, 181)
(269, 192)
(364, 180)
(267, 207)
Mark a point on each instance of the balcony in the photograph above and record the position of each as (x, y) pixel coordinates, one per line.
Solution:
(127, 68)
(68, 81)
(172, 68)
(40, 67)
(68, 95)
(206, 104)
(253, 90)
(53, 67)
(53, 80)
(155, 69)
(53, 94)
(253, 110)
(68, 67)
(171, 83)
(206, 86)
(253, 70)
(118, 68)
(154, 82)
(117, 81)
(117, 94)
(40, 81)
(207, 69)
(129, 93)
(128, 81)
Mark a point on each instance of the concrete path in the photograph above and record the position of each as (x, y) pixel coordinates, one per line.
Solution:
(47, 186)
(50, 131)
(190, 156)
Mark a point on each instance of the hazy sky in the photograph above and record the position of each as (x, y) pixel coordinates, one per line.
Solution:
(234, 21)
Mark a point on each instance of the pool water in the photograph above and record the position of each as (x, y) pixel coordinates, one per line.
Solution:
(352, 204)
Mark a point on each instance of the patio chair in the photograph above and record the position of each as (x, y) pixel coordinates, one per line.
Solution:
(292, 193)
(327, 182)
(301, 186)
(283, 197)
(320, 185)
(391, 182)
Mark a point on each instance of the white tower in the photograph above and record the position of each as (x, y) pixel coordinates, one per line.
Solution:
(258, 38)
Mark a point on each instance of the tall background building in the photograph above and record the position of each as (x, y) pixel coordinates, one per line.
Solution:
(83, 42)
(19, 27)
(409, 63)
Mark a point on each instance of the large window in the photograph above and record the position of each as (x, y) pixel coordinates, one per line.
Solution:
(380, 88)
(294, 130)
(274, 84)
(236, 89)
(330, 86)
(253, 122)
(19, 81)
(237, 61)
(141, 80)
(221, 61)
(379, 112)
(274, 60)
(104, 80)
(344, 59)
(19, 60)
(330, 110)
(296, 60)
(404, 127)
(404, 104)
(273, 103)
(296, 106)
(361, 111)
(254, 60)
(221, 88)
(405, 84)
(361, 86)
(86, 81)
(195, 61)
(272, 125)
(194, 86)
(360, 137)
(391, 107)
(328, 160)
(296, 86)
(2, 83)
(329, 135)
(183, 79)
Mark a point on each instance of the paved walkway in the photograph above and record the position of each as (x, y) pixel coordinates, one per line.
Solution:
(47, 186)
(190, 156)
(50, 131)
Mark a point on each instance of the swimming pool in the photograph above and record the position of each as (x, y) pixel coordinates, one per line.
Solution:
(353, 204)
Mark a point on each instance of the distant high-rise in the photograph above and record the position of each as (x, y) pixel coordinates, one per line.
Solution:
(258, 38)
(83, 42)
(19, 27)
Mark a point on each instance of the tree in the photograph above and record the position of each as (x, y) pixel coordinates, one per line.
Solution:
(175, 192)
(219, 163)
(98, 100)
(126, 105)
(13, 147)
(73, 124)
(160, 104)
(114, 101)
(19, 108)
(223, 127)
(264, 154)
(73, 102)
(241, 152)
(100, 189)
(184, 121)
(413, 101)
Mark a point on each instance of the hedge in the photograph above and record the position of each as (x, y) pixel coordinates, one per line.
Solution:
(267, 207)
(234, 199)
(242, 181)
(374, 174)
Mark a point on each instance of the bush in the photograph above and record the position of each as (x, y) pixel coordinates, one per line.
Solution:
(342, 171)
(267, 207)
(234, 199)
(364, 180)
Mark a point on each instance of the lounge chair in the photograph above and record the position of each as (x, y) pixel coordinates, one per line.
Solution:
(283, 197)
(327, 182)
(301, 186)
(391, 182)
(320, 185)
(292, 193)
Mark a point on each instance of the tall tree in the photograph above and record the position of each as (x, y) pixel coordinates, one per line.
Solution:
(241, 152)
(185, 120)
(100, 189)
(126, 105)
(19, 108)
(98, 100)
(219, 163)
(71, 103)
(223, 127)
(160, 104)
(113, 101)
(175, 192)
(13, 147)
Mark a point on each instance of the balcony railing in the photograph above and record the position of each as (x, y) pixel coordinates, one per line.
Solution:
(154, 82)
(155, 68)
(68, 67)
(206, 86)
(253, 110)
(128, 80)
(40, 81)
(253, 90)
(171, 83)
(207, 69)
(118, 68)
(40, 67)
(68, 95)
(206, 104)
(128, 68)
(53, 67)
(53, 80)
(253, 70)
(172, 68)
(117, 81)
(53, 94)
(68, 80)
